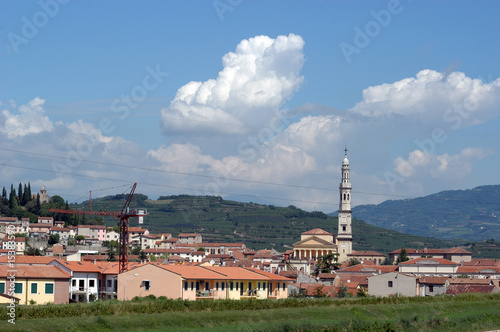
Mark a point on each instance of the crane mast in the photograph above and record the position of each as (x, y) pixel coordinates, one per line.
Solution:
(124, 215)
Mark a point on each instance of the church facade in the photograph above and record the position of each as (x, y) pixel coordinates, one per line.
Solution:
(318, 242)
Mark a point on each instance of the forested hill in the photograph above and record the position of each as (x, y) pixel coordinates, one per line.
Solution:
(472, 214)
(265, 226)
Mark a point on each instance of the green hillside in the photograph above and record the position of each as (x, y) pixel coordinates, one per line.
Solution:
(265, 226)
(468, 214)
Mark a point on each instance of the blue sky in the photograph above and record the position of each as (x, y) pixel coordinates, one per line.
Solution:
(411, 87)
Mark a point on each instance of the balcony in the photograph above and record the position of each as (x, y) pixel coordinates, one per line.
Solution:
(251, 294)
(205, 294)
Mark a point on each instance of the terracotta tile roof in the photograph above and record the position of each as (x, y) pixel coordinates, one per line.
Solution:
(289, 274)
(462, 289)
(425, 251)
(327, 275)
(155, 251)
(469, 281)
(221, 244)
(359, 279)
(316, 231)
(16, 239)
(59, 229)
(4, 219)
(483, 262)
(478, 269)
(362, 268)
(433, 280)
(366, 253)
(175, 258)
(270, 276)
(194, 272)
(188, 235)
(428, 261)
(38, 272)
(136, 230)
(94, 226)
(236, 273)
(22, 259)
(171, 240)
(81, 266)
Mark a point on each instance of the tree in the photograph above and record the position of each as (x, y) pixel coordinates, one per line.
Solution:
(354, 261)
(319, 292)
(30, 251)
(201, 249)
(111, 255)
(387, 261)
(80, 239)
(142, 255)
(53, 239)
(327, 263)
(342, 291)
(403, 257)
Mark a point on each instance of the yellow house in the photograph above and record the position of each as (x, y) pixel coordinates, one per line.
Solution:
(38, 284)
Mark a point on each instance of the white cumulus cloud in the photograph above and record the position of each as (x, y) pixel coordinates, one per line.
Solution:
(256, 79)
(29, 120)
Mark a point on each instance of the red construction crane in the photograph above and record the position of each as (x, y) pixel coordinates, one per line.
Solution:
(123, 225)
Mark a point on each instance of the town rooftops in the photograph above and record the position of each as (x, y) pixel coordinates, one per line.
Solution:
(428, 261)
(8, 219)
(371, 269)
(81, 266)
(317, 231)
(194, 272)
(93, 226)
(433, 280)
(478, 269)
(188, 235)
(425, 251)
(32, 271)
(365, 253)
(468, 288)
(22, 259)
(236, 273)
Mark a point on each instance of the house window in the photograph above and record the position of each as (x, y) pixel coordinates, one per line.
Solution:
(284, 285)
(216, 285)
(2, 287)
(389, 284)
(73, 282)
(18, 288)
(271, 287)
(258, 285)
(192, 285)
(49, 288)
(34, 288)
(264, 286)
(237, 286)
(147, 284)
(185, 285)
(207, 286)
(81, 285)
(91, 283)
(431, 288)
(222, 284)
(108, 283)
(231, 285)
(197, 285)
(343, 228)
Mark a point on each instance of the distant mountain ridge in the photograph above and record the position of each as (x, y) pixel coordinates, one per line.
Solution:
(472, 214)
(266, 226)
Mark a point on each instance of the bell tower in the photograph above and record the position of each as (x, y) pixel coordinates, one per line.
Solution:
(344, 236)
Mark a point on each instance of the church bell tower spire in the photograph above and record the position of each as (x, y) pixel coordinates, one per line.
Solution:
(344, 236)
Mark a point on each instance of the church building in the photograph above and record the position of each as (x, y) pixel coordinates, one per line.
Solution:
(318, 242)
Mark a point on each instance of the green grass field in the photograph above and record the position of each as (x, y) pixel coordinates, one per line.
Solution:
(462, 313)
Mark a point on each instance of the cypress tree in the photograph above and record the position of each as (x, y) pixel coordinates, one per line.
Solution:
(4, 193)
(20, 191)
(29, 192)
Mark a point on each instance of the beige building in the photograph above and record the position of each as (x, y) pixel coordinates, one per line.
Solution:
(393, 284)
